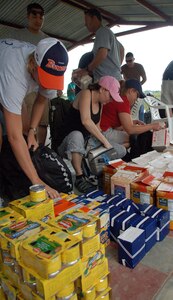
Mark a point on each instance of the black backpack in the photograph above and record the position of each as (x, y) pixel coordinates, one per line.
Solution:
(50, 166)
(139, 144)
(52, 169)
(58, 109)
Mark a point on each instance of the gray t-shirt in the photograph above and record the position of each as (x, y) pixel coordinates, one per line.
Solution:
(111, 65)
(15, 80)
(25, 35)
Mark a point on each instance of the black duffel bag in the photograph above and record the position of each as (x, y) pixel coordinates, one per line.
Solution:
(50, 167)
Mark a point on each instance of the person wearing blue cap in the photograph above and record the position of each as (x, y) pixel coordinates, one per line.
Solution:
(116, 121)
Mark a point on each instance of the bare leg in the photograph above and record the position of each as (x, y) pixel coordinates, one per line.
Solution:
(76, 163)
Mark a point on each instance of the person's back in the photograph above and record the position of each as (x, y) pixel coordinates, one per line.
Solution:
(84, 61)
(106, 49)
(167, 85)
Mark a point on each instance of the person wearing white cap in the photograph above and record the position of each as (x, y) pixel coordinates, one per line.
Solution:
(23, 68)
(82, 122)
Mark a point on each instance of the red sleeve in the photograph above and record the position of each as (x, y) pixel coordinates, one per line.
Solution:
(110, 117)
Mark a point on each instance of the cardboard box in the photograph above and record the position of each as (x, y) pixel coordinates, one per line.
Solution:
(62, 205)
(8, 216)
(108, 172)
(144, 190)
(149, 225)
(77, 222)
(11, 236)
(131, 246)
(100, 210)
(33, 210)
(121, 180)
(164, 195)
(120, 221)
(47, 288)
(162, 217)
(160, 139)
(49, 252)
(93, 269)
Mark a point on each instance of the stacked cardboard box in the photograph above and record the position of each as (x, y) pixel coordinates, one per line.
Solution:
(164, 195)
(61, 258)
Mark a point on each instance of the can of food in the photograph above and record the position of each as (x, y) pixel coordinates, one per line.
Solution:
(67, 291)
(71, 255)
(90, 294)
(37, 193)
(7, 259)
(102, 284)
(78, 234)
(89, 230)
(105, 297)
(73, 296)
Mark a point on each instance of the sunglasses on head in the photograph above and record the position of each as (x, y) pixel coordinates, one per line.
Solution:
(36, 12)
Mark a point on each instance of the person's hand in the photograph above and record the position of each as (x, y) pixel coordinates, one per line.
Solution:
(78, 73)
(107, 145)
(31, 140)
(158, 126)
(51, 193)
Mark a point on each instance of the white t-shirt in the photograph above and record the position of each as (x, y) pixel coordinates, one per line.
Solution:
(15, 80)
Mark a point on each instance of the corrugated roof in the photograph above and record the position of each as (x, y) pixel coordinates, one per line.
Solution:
(65, 19)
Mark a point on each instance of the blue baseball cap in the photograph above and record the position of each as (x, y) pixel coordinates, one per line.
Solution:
(135, 84)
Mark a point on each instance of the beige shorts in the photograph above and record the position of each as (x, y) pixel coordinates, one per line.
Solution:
(29, 101)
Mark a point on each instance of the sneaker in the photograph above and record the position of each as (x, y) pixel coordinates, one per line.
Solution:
(93, 180)
(83, 186)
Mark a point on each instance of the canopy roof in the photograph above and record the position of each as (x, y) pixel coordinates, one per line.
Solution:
(64, 19)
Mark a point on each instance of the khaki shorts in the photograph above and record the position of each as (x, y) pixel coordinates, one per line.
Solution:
(29, 101)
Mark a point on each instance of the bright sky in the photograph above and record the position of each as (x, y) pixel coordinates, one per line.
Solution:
(153, 49)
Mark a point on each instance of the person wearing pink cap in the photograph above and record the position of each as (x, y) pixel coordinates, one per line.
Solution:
(24, 68)
(116, 122)
(82, 123)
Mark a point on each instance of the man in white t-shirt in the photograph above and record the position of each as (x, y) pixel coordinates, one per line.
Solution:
(23, 68)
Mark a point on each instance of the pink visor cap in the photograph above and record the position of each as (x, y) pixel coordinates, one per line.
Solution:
(112, 85)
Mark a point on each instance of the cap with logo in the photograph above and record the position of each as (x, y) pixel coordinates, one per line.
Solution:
(52, 58)
(135, 84)
(112, 85)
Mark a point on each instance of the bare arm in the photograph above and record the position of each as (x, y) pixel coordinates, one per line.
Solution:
(37, 112)
(18, 144)
(20, 149)
(84, 108)
(144, 77)
(121, 52)
(132, 128)
(100, 56)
